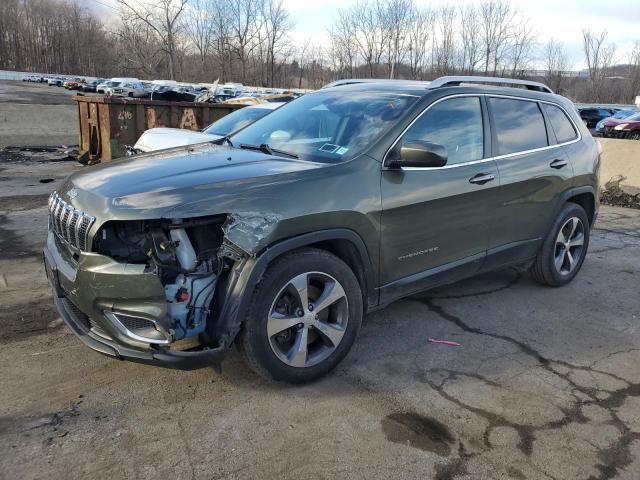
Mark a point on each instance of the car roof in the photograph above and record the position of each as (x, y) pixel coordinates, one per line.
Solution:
(422, 89)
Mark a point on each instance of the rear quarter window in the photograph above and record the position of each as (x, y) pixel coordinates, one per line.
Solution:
(519, 125)
(562, 126)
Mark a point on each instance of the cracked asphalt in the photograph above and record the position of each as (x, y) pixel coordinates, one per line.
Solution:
(545, 384)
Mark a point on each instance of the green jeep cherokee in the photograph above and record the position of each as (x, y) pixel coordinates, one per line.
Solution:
(282, 236)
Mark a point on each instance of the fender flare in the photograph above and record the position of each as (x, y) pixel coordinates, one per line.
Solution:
(566, 195)
(248, 272)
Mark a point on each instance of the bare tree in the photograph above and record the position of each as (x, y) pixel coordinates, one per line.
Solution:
(200, 25)
(138, 50)
(471, 54)
(394, 16)
(446, 46)
(369, 34)
(496, 17)
(599, 58)
(556, 64)
(277, 26)
(420, 32)
(244, 17)
(522, 46)
(344, 47)
(163, 17)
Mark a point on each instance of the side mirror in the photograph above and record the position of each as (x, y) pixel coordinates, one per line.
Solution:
(417, 153)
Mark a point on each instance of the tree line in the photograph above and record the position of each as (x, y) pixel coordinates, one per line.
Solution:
(249, 41)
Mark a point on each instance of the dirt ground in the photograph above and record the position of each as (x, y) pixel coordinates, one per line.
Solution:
(545, 385)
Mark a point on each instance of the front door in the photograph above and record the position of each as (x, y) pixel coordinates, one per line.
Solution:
(436, 219)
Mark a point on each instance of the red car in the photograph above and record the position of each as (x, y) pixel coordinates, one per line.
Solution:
(623, 128)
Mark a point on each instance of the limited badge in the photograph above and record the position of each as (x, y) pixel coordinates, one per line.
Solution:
(73, 193)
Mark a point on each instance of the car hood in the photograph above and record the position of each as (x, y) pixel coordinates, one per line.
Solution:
(612, 122)
(152, 185)
(161, 138)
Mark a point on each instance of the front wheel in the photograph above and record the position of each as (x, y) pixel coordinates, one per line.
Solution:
(564, 248)
(303, 318)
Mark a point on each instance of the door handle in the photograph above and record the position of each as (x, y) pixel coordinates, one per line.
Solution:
(558, 163)
(482, 178)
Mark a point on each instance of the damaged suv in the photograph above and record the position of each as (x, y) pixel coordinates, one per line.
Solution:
(280, 237)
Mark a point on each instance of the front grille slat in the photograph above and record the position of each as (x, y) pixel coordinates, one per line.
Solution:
(68, 223)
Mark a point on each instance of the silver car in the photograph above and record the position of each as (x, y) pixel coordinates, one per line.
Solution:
(128, 89)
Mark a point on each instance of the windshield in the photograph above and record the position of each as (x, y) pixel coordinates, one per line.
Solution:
(634, 118)
(624, 113)
(328, 126)
(236, 120)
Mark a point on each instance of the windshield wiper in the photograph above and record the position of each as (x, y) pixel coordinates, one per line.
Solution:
(266, 148)
(223, 140)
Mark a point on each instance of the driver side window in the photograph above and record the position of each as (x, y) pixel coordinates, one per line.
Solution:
(456, 124)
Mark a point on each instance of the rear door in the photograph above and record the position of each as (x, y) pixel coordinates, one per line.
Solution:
(534, 172)
(435, 219)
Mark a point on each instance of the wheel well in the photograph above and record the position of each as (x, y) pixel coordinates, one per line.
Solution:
(586, 201)
(348, 253)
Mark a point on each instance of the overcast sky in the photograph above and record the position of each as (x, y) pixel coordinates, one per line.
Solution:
(559, 19)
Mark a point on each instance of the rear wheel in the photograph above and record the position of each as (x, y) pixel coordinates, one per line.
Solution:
(304, 316)
(563, 251)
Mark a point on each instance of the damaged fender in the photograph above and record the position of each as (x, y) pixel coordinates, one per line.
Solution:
(247, 230)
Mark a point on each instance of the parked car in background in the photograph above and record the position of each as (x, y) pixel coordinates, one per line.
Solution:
(113, 82)
(161, 138)
(173, 93)
(628, 127)
(55, 81)
(32, 78)
(128, 89)
(90, 85)
(620, 114)
(591, 116)
(73, 83)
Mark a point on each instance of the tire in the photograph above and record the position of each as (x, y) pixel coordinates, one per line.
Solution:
(634, 136)
(301, 354)
(553, 266)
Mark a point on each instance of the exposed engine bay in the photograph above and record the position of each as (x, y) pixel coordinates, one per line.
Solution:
(187, 256)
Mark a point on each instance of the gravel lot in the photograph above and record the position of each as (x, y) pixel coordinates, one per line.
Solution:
(36, 114)
(35, 93)
(546, 383)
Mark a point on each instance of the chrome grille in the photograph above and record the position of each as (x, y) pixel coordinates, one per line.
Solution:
(69, 224)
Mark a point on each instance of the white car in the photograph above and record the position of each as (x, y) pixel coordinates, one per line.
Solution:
(161, 138)
(128, 89)
(113, 82)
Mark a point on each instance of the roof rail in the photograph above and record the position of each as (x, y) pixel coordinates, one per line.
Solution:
(458, 80)
(352, 81)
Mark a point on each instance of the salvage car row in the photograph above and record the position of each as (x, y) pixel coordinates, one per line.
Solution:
(166, 90)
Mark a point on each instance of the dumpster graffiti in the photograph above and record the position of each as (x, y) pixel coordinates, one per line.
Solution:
(109, 124)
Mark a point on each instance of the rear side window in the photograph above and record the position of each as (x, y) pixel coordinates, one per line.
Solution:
(519, 125)
(456, 124)
(562, 126)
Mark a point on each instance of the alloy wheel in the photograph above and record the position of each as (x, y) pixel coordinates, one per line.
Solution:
(569, 246)
(308, 319)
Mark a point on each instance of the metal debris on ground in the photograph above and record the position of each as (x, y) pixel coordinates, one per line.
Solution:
(45, 153)
(444, 342)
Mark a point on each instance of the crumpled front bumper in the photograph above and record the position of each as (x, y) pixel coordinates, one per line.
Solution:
(86, 287)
